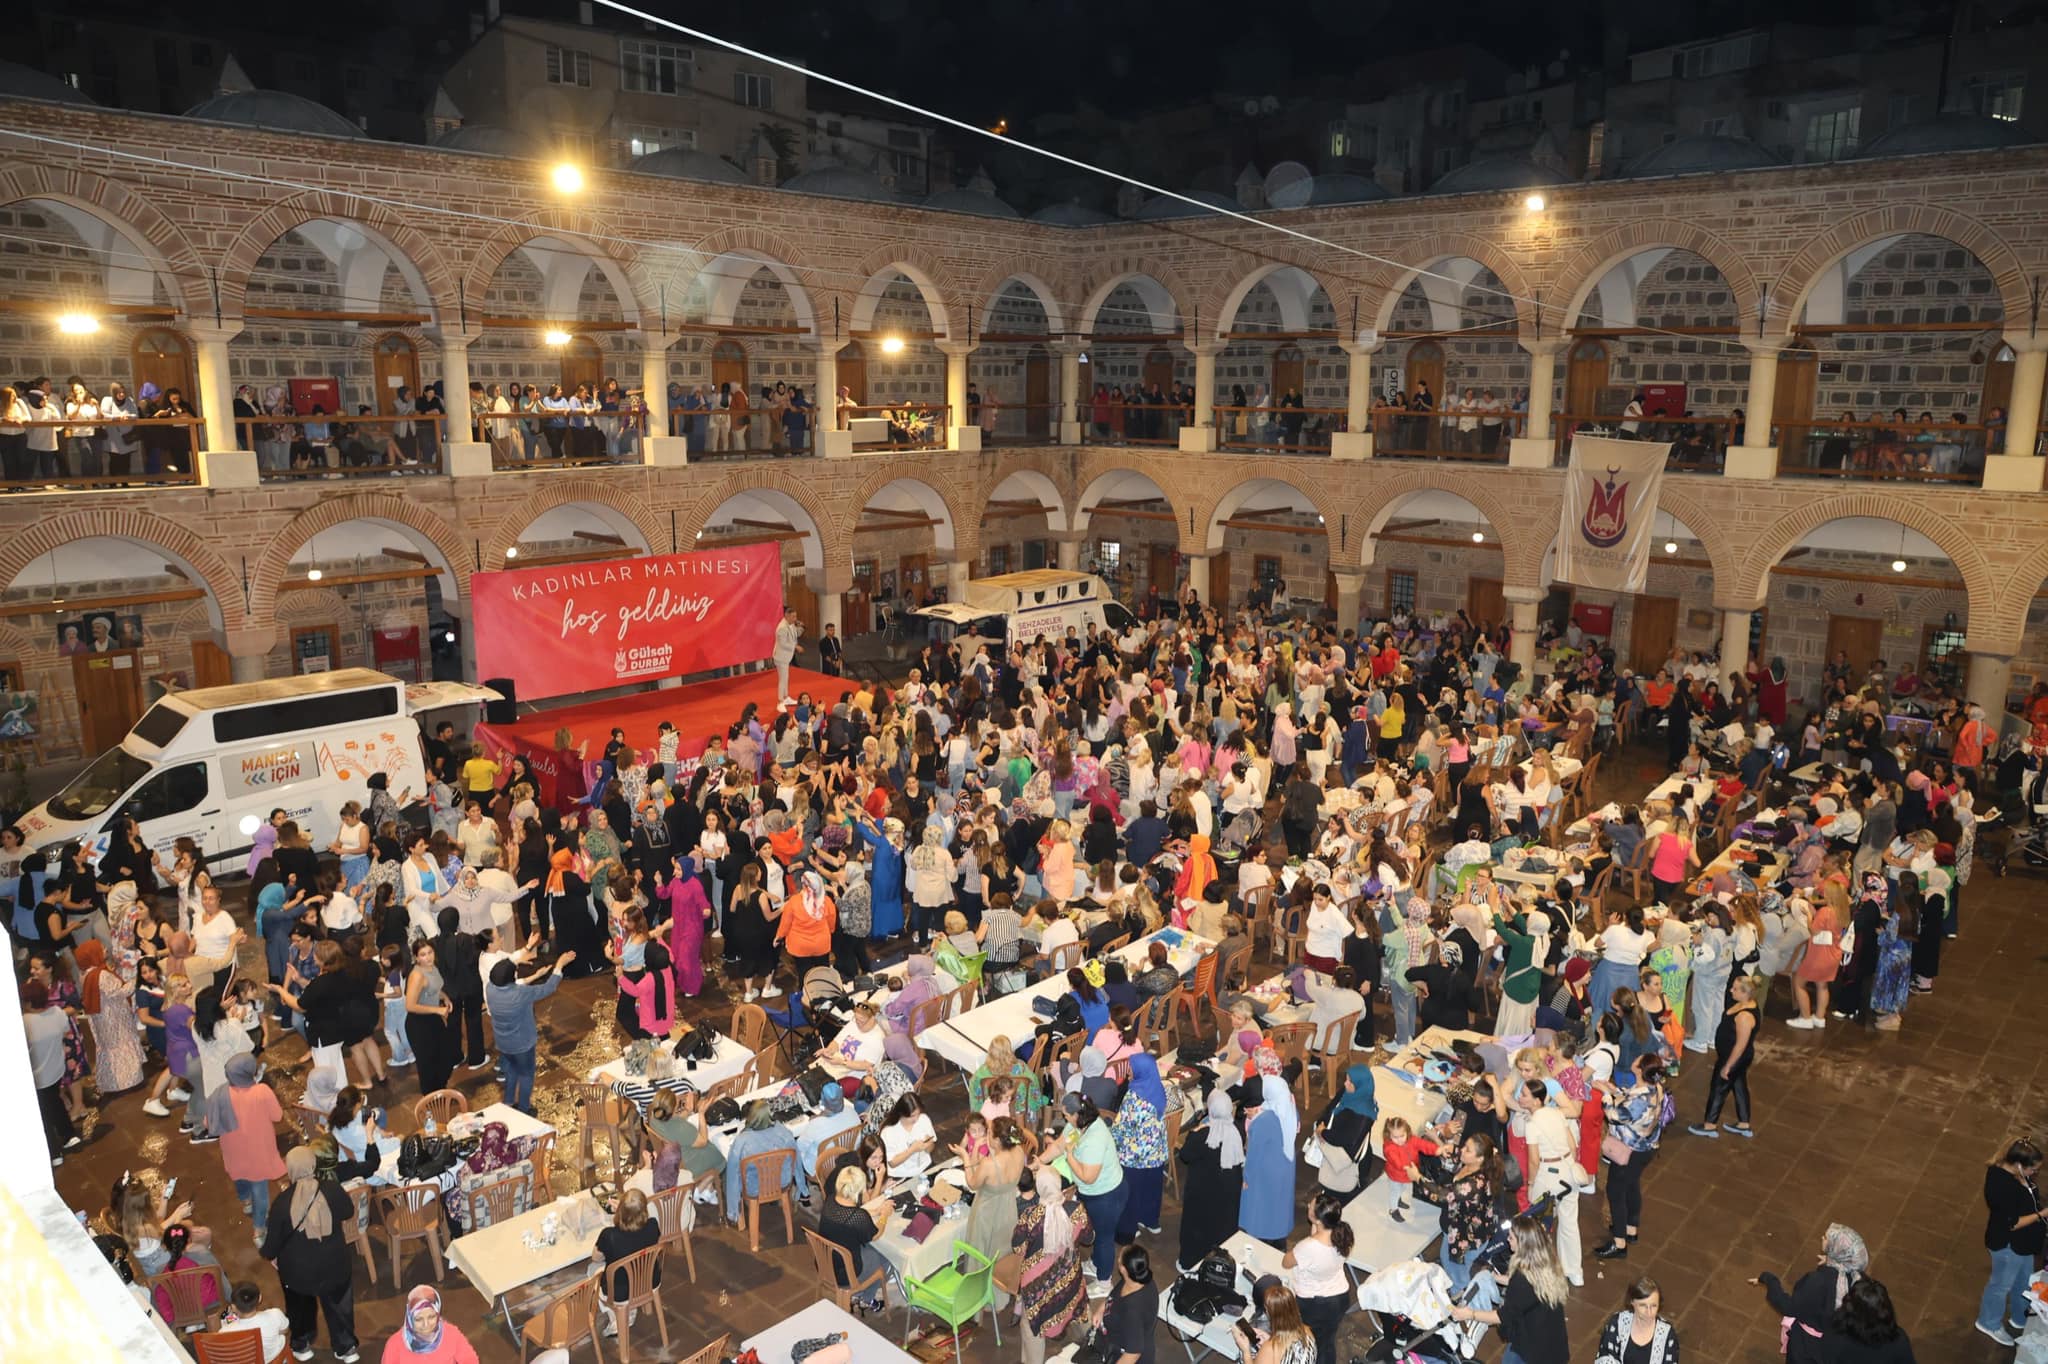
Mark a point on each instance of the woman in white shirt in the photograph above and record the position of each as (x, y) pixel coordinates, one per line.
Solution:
(1327, 928)
(1322, 1287)
(1623, 946)
(858, 1047)
(908, 1139)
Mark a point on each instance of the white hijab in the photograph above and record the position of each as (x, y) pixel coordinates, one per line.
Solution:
(1278, 1100)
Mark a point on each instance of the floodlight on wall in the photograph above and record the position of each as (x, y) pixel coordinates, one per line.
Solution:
(892, 345)
(1534, 203)
(567, 177)
(78, 324)
(555, 336)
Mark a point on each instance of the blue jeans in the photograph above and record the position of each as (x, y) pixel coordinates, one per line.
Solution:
(1104, 1210)
(2006, 1293)
(257, 1191)
(1404, 1014)
(1459, 1267)
(518, 1079)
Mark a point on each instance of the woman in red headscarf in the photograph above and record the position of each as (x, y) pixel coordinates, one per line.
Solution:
(1195, 873)
(109, 1004)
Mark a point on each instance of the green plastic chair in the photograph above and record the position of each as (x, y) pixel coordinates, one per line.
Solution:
(964, 969)
(953, 1297)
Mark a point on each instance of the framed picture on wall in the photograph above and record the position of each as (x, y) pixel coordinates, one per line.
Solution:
(888, 588)
(96, 632)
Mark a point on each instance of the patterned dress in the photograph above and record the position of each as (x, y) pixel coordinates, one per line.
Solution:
(1894, 969)
(1051, 1293)
(116, 1038)
(64, 995)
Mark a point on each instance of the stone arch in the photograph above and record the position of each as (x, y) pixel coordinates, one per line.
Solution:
(223, 585)
(1098, 481)
(1774, 541)
(1724, 555)
(1033, 483)
(1522, 545)
(609, 499)
(1166, 286)
(592, 237)
(915, 478)
(1432, 251)
(1804, 271)
(1588, 265)
(833, 545)
(1223, 301)
(415, 254)
(923, 271)
(269, 571)
(766, 250)
(1999, 622)
(130, 216)
(1035, 275)
(1211, 513)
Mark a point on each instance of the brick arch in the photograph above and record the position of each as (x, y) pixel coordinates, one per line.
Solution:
(268, 573)
(1578, 276)
(1103, 463)
(835, 542)
(395, 234)
(753, 243)
(1997, 626)
(616, 496)
(1803, 271)
(157, 237)
(1102, 281)
(1223, 298)
(1225, 487)
(593, 235)
(966, 531)
(127, 523)
(1724, 553)
(317, 604)
(1980, 582)
(931, 277)
(1427, 252)
(1523, 539)
(1048, 281)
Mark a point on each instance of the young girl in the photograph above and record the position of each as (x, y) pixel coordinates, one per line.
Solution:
(999, 1094)
(180, 1052)
(391, 990)
(1401, 1149)
(975, 1145)
(391, 919)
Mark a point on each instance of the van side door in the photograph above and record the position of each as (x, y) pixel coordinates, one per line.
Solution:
(176, 802)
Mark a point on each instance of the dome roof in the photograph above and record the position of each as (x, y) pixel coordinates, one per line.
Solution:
(1326, 189)
(1704, 152)
(971, 201)
(277, 110)
(25, 82)
(687, 163)
(1947, 133)
(1070, 215)
(840, 182)
(487, 138)
(1161, 208)
(1496, 173)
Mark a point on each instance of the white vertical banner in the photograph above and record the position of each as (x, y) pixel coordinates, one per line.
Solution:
(1608, 516)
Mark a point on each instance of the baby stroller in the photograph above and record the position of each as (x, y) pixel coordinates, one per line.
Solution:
(1242, 833)
(1410, 1303)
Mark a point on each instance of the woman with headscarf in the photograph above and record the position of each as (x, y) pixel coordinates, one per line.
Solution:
(425, 1337)
(1809, 1308)
(303, 1238)
(1408, 948)
(931, 883)
(885, 875)
(920, 986)
(645, 980)
(568, 903)
(1196, 872)
(1346, 1131)
(1140, 1134)
(808, 919)
(1051, 1293)
(688, 914)
(244, 1114)
(1212, 1154)
(1265, 1208)
(109, 1004)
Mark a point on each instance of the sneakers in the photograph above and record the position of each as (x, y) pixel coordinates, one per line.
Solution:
(204, 1138)
(750, 996)
(178, 1094)
(771, 992)
(478, 1065)
(1799, 1023)
(1710, 1133)
(155, 1109)
(302, 1352)
(1740, 1131)
(394, 1061)
(350, 1356)
(1612, 1251)
(1397, 1214)
(1997, 1333)
(74, 1143)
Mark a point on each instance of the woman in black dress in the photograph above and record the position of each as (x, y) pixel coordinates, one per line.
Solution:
(1212, 1157)
(750, 955)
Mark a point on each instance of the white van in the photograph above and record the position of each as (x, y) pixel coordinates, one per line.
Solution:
(211, 764)
(1023, 606)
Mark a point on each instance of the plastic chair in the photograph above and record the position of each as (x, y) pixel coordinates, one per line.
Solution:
(1198, 992)
(641, 1291)
(832, 1148)
(1173, 1119)
(412, 1212)
(231, 1347)
(834, 1261)
(751, 1029)
(1156, 1020)
(769, 1172)
(498, 1200)
(1337, 1062)
(185, 1292)
(566, 1321)
(1067, 956)
(710, 1354)
(671, 1210)
(543, 1159)
(441, 1105)
(356, 1231)
(954, 1297)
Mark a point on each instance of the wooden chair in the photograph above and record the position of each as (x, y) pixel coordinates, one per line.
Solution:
(639, 1269)
(671, 1210)
(750, 1028)
(441, 1105)
(566, 1321)
(835, 1262)
(1190, 998)
(770, 1173)
(710, 1354)
(232, 1347)
(184, 1292)
(356, 1231)
(497, 1200)
(412, 1212)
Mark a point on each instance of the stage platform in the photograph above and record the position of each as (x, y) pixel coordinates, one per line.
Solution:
(697, 710)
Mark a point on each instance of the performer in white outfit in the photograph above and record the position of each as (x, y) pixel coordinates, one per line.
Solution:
(786, 636)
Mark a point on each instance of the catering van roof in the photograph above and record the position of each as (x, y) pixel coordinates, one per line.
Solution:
(279, 689)
(1033, 578)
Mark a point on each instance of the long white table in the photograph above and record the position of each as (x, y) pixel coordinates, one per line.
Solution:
(964, 1040)
(517, 1124)
(823, 1318)
(496, 1259)
(730, 1060)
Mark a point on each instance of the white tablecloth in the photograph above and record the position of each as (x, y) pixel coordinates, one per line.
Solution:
(731, 1059)
(497, 1261)
(964, 1040)
(517, 1124)
(823, 1318)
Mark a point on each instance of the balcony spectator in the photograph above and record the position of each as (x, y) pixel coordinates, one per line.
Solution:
(120, 439)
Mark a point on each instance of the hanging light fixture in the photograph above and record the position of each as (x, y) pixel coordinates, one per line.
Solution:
(511, 551)
(1899, 564)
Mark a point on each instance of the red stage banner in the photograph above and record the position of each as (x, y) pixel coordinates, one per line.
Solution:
(569, 628)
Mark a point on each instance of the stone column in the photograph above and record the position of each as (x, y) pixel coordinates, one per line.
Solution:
(1199, 437)
(1355, 441)
(1068, 425)
(1534, 448)
(660, 446)
(223, 461)
(1522, 604)
(831, 441)
(1734, 642)
(1070, 555)
(1198, 576)
(467, 457)
(2016, 469)
(249, 652)
(961, 434)
(1989, 681)
(1350, 586)
(1757, 456)
(958, 572)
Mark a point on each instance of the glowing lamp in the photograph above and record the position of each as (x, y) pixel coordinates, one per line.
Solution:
(567, 177)
(555, 337)
(78, 324)
(1671, 546)
(511, 551)
(892, 345)
(314, 575)
(1478, 537)
(1534, 203)
(1898, 565)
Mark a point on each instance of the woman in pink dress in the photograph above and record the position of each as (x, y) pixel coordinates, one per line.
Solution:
(1823, 959)
(688, 912)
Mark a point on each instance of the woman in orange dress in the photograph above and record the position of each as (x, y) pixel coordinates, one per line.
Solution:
(1823, 959)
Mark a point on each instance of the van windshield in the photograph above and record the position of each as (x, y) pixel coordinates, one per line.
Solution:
(94, 791)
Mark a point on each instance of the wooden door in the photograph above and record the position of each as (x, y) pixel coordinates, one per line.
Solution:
(582, 363)
(852, 374)
(1793, 401)
(1652, 630)
(1585, 377)
(729, 364)
(1159, 370)
(1037, 393)
(315, 649)
(857, 616)
(1219, 581)
(1997, 391)
(1861, 636)
(1330, 590)
(160, 356)
(1485, 604)
(1160, 571)
(109, 688)
(911, 573)
(211, 666)
(398, 363)
(1426, 365)
(796, 592)
(1290, 371)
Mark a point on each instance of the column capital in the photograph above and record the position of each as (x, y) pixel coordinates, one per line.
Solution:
(1349, 579)
(1762, 347)
(653, 339)
(227, 329)
(250, 641)
(1550, 346)
(2025, 345)
(1368, 343)
(826, 346)
(1523, 596)
(1738, 608)
(950, 348)
(1207, 347)
(1067, 346)
(452, 336)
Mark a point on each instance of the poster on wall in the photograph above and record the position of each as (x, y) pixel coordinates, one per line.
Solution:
(17, 714)
(1609, 513)
(99, 632)
(397, 651)
(573, 628)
